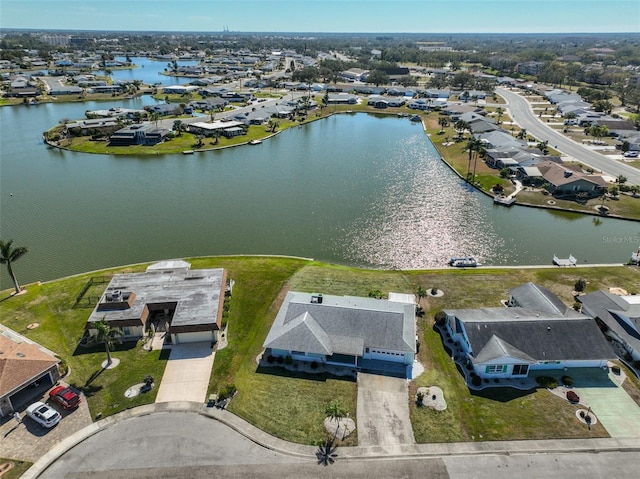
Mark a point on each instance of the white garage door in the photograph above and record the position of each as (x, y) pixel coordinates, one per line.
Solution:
(181, 338)
(382, 355)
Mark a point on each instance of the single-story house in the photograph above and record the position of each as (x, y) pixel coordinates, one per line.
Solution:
(23, 363)
(355, 74)
(569, 180)
(364, 333)
(209, 129)
(170, 297)
(179, 89)
(379, 101)
(618, 316)
(165, 109)
(342, 99)
(138, 134)
(536, 332)
(103, 125)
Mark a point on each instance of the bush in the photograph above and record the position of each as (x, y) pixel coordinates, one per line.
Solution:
(288, 359)
(314, 365)
(440, 318)
(270, 359)
(476, 380)
(547, 382)
(567, 380)
(580, 285)
(227, 391)
(572, 397)
(280, 360)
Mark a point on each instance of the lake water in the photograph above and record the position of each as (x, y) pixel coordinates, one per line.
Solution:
(351, 189)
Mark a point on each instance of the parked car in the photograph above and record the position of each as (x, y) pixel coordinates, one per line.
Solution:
(630, 154)
(44, 415)
(66, 396)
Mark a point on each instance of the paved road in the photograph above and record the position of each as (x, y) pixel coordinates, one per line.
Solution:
(521, 112)
(187, 445)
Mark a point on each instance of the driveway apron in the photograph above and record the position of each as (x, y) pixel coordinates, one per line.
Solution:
(383, 411)
(186, 376)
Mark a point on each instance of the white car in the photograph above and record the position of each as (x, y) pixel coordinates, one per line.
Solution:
(43, 414)
(630, 154)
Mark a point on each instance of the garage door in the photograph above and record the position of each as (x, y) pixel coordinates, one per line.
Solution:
(180, 338)
(382, 355)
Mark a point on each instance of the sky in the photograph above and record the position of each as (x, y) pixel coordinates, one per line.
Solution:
(344, 16)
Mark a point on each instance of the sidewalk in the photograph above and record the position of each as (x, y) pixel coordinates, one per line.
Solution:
(359, 452)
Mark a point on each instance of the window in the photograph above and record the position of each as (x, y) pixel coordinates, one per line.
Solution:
(520, 369)
(496, 369)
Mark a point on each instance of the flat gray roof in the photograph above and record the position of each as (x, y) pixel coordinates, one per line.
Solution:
(197, 294)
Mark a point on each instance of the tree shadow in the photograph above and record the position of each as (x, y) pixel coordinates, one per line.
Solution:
(326, 453)
(99, 347)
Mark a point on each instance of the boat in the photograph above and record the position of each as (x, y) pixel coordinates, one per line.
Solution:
(635, 257)
(255, 142)
(504, 200)
(415, 118)
(187, 152)
(464, 262)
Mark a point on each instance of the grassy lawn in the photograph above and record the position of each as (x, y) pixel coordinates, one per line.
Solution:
(18, 469)
(291, 405)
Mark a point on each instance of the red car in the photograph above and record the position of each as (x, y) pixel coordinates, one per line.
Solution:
(66, 396)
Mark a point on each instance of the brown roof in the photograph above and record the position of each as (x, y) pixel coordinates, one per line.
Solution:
(559, 175)
(21, 362)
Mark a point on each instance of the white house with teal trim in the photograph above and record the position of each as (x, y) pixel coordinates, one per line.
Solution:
(367, 334)
(516, 341)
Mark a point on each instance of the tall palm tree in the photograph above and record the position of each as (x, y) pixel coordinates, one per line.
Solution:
(8, 255)
(499, 112)
(473, 146)
(443, 122)
(107, 335)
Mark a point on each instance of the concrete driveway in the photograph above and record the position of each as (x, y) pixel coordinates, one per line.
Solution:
(383, 411)
(614, 408)
(186, 376)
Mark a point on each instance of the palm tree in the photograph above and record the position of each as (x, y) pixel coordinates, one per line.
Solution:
(443, 122)
(107, 335)
(499, 112)
(335, 410)
(473, 147)
(177, 126)
(9, 254)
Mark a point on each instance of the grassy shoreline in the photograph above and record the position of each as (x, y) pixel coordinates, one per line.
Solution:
(290, 405)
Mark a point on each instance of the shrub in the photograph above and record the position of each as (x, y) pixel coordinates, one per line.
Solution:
(314, 365)
(280, 360)
(434, 291)
(496, 380)
(440, 318)
(572, 397)
(420, 398)
(476, 380)
(580, 285)
(567, 380)
(469, 367)
(227, 391)
(547, 382)
(270, 359)
(288, 359)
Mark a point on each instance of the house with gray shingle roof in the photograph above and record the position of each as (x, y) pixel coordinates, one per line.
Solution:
(367, 334)
(535, 332)
(618, 316)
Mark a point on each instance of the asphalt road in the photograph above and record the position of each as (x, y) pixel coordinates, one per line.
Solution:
(522, 114)
(187, 445)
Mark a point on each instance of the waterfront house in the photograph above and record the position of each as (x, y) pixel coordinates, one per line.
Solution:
(618, 317)
(212, 128)
(569, 180)
(169, 297)
(535, 333)
(145, 133)
(366, 334)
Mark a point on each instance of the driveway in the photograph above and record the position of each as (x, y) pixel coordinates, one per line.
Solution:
(29, 441)
(611, 404)
(383, 411)
(186, 376)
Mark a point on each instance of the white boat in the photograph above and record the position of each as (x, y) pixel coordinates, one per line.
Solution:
(504, 200)
(255, 142)
(464, 262)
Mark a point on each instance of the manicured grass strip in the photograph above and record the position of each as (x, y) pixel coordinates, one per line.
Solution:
(18, 469)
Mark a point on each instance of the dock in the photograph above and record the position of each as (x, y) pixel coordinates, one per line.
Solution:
(571, 261)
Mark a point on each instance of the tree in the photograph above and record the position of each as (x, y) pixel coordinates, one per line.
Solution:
(421, 292)
(177, 126)
(523, 134)
(107, 335)
(8, 255)
(443, 122)
(499, 112)
(377, 77)
(542, 146)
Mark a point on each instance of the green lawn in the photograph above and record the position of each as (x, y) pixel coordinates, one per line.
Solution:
(18, 469)
(291, 405)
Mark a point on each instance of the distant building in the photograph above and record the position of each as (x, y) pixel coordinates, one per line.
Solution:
(138, 134)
